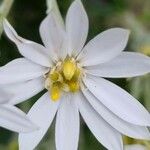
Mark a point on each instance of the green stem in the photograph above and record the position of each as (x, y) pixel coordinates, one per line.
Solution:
(4, 10)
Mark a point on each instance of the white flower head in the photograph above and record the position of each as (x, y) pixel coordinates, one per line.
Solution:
(73, 72)
(13, 118)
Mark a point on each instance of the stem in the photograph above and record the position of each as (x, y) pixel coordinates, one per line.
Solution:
(4, 10)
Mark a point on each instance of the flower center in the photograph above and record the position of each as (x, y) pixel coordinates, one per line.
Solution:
(65, 76)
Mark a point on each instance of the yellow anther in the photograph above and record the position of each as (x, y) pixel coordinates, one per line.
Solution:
(73, 86)
(55, 91)
(55, 76)
(76, 74)
(65, 76)
(69, 68)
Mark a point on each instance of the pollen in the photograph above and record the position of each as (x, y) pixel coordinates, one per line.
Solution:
(74, 86)
(65, 76)
(55, 91)
(56, 77)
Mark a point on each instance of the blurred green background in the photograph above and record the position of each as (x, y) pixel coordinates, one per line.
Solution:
(26, 15)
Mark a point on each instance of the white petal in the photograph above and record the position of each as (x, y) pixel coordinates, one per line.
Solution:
(76, 27)
(135, 147)
(104, 47)
(122, 126)
(67, 124)
(25, 90)
(128, 64)
(29, 49)
(52, 34)
(42, 114)
(104, 133)
(20, 70)
(118, 101)
(4, 96)
(14, 119)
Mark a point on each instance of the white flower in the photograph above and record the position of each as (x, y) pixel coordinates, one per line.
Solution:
(11, 117)
(135, 147)
(72, 74)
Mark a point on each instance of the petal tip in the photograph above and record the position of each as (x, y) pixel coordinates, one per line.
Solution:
(5, 21)
(77, 2)
(127, 31)
(5, 24)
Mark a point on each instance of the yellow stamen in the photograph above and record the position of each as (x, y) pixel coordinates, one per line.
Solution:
(74, 86)
(55, 91)
(63, 77)
(69, 68)
(76, 74)
(55, 76)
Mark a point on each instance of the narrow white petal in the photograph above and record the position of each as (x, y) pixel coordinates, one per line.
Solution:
(10, 31)
(31, 50)
(104, 133)
(25, 90)
(42, 114)
(118, 101)
(67, 124)
(122, 126)
(20, 70)
(104, 47)
(4, 96)
(135, 147)
(52, 34)
(127, 64)
(14, 119)
(76, 27)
